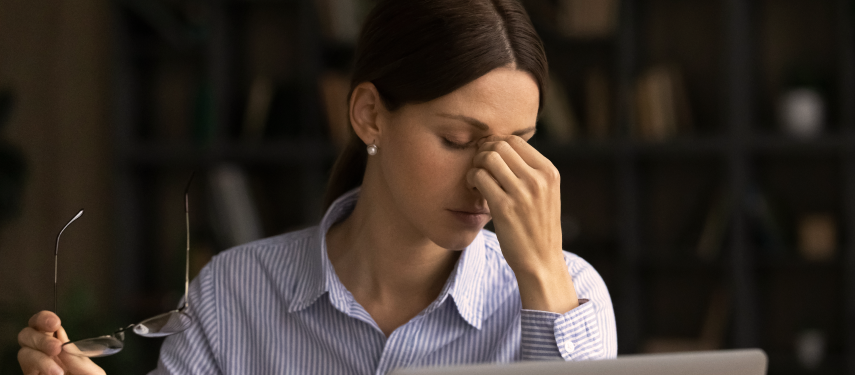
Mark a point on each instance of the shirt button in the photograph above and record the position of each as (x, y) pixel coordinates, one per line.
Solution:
(569, 346)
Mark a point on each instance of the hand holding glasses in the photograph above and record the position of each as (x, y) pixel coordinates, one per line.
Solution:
(165, 324)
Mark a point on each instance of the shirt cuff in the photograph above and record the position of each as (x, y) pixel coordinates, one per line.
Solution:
(572, 336)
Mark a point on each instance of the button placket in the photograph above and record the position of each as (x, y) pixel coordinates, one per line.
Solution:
(569, 346)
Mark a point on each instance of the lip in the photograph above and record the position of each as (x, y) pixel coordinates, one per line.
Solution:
(477, 218)
(473, 212)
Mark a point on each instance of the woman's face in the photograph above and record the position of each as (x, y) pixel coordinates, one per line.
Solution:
(427, 150)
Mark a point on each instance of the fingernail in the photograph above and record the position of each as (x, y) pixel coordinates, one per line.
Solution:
(56, 371)
(50, 321)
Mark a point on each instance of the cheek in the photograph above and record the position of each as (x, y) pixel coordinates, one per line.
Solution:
(424, 167)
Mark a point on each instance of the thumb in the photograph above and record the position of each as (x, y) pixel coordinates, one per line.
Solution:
(76, 365)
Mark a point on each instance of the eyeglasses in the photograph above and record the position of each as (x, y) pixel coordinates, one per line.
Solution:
(161, 325)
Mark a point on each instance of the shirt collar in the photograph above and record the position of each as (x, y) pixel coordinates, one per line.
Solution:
(319, 276)
(465, 285)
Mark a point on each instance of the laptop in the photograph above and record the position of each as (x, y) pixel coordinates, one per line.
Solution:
(730, 362)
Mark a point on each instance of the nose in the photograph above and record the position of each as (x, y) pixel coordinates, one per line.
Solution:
(475, 194)
(469, 185)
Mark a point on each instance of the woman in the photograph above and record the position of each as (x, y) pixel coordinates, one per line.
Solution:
(400, 272)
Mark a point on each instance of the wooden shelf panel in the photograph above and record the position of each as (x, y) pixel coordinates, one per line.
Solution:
(311, 152)
(782, 144)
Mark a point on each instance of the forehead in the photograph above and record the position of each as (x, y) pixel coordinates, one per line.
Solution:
(505, 99)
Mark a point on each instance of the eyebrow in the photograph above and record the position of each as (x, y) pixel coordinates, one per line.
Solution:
(480, 125)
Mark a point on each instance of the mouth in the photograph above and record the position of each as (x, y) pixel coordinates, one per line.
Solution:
(471, 218)
(472, 212)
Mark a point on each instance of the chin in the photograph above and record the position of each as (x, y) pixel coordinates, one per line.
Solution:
(457, 240)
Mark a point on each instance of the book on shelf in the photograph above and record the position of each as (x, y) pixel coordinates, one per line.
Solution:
(341, 20)
(715, 227)
(557, 116)
(334, 88)
(587, 19)
(661, 104)
(269, 43)
(257, 110)
(597, 104)
(173, 88)
(204, 128)
(236, 217)
(173, 25)
(817, 236)
(764, 224)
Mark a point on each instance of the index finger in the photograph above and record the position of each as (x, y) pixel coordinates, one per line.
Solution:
(527, 152)
(45, 321)
(41, 341)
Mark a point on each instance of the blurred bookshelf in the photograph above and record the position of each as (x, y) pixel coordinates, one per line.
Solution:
(680, 184)
(696, 192)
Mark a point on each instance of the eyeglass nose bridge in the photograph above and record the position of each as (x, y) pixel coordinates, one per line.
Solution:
(120, 333)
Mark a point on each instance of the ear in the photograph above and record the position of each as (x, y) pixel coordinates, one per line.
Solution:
(366, 112)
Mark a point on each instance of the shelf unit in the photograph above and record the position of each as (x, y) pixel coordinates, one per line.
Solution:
(622, 193)
(738, 147)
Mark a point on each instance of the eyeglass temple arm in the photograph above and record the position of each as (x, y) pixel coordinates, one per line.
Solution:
(56, 257)
(187, 228)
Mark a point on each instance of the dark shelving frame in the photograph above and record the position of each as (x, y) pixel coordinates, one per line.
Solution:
(846, 65)
(737, 147)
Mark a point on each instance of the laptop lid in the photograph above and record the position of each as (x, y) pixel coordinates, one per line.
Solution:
(730, 362)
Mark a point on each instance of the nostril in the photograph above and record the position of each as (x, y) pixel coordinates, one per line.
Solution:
(470, 186)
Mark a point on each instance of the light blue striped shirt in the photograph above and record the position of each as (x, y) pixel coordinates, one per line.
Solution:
(276, 306)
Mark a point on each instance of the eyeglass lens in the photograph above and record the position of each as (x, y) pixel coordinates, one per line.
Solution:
(95, 347)
(164, 324)
(158, 326)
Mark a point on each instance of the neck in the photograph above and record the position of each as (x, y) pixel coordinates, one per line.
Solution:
(377, 254)
(389, 267)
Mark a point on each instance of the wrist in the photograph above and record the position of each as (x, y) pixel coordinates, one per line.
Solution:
(547, 288)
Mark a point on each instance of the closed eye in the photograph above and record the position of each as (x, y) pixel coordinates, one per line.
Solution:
(454, 145)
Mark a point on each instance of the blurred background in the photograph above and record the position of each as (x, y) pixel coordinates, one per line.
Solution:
(707, 150)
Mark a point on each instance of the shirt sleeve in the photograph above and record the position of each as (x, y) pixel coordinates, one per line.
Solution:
(586, 332)
(194, 350)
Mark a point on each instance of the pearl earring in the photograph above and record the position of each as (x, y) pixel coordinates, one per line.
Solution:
(372, 149)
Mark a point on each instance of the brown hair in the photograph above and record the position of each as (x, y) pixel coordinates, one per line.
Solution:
(415, 51)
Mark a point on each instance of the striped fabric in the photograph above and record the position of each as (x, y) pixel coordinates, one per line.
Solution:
(276, 306)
